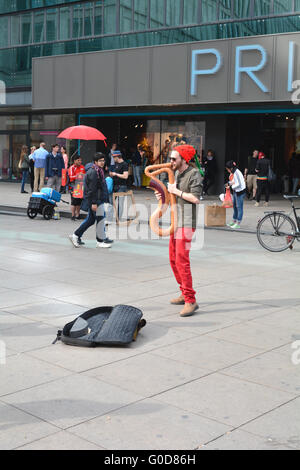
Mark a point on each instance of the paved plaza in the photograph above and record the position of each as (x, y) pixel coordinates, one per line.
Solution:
(226, 378)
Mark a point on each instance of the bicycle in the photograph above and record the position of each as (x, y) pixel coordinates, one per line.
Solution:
(277, 231)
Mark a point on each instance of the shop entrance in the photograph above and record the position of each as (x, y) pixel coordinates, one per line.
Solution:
(10, 149)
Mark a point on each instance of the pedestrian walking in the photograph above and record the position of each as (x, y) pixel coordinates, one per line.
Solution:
(238, 188)
(54, 166)
(24, 164)
(95, 194)
(251, 175)
(39, 158)
(76, 172)
(262, 169)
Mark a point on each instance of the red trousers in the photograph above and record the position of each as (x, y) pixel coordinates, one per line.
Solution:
(179, 250)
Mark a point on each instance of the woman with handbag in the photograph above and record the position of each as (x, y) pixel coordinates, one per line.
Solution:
(238, 188)
(24, 165)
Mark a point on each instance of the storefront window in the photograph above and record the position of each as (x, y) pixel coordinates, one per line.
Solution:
(52, 121)
(9, 123)
(191, 132)
(4, 157)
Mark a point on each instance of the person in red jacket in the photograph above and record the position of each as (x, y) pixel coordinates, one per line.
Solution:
(76, 172)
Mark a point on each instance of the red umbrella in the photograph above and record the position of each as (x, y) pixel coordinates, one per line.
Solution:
(81, 133)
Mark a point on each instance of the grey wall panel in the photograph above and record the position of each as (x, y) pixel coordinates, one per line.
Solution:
(210, 88)
(282, 65)
(169, 74)
(43, 84)
(161, 75)
(100, 79)
(249, 90)
(133, 77)
(68, 80)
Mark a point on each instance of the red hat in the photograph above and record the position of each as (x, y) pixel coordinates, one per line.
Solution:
(261, 155)
(186, 151)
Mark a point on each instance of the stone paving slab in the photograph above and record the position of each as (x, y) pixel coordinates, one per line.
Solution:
(282, 425)
(61, 440)
(18, 428)
(163, 374)
(256, 335)
(241, 440)
(270, 369)
(226, 399)
(71, 400)
(28, 337)
(209, 353)
(23, 372)
(150, 425)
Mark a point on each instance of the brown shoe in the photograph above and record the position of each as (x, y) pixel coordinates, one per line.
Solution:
(179, 301)
(189, 310)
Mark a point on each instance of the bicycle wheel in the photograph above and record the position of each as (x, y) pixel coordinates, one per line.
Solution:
(276, 232)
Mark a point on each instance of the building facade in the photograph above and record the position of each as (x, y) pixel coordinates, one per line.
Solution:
(216, 73)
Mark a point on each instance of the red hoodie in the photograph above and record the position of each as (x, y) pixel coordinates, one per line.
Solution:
(74, 171)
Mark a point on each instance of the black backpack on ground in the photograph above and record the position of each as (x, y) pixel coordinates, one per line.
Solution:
(106, 326)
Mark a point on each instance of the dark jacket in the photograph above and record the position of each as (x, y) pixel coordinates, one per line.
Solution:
(95, 188)
(263, 167)
(52, 163)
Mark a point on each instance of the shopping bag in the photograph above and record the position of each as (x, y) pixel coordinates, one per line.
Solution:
(228, 203)
(215, 216)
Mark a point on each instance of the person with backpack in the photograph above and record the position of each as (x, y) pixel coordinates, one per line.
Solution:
(238, 187)
(95, 194)
(263, 168)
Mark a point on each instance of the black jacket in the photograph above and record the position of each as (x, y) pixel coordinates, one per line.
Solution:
(95, 189)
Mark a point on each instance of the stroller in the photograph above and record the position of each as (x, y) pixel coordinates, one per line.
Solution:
(43, 203)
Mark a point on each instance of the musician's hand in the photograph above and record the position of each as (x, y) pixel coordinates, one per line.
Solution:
(157, 195)
(172, 189)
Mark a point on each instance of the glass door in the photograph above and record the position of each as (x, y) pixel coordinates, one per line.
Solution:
(4, 157)
(16, 144)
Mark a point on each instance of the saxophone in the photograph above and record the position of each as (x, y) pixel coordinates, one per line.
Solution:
(166, 200)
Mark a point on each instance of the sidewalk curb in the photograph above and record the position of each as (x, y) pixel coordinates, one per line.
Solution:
(20, 211)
